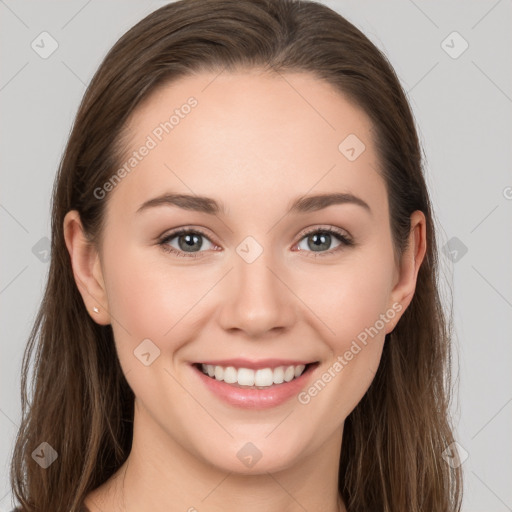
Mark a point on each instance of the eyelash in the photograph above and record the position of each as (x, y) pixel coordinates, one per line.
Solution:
(345, 241)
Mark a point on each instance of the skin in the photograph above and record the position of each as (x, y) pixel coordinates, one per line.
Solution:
(255, 144)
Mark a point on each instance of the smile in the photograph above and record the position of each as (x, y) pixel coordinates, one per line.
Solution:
(247, 377)
(270, 384)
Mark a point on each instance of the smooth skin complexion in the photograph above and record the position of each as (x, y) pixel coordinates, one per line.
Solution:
(255, 143)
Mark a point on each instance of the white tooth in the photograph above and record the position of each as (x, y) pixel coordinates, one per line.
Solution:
(278, 376)
(289, 373)
(263, 377)
(299, 369)
(219, 373)
(245, 377)
(230, 375)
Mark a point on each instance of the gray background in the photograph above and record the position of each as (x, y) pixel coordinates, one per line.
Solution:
(462, 106)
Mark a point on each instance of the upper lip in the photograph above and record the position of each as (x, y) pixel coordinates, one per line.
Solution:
(256, 365)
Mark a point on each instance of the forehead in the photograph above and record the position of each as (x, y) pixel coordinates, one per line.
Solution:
(250, 137)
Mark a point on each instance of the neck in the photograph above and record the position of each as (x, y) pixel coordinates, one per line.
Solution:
(161, 475)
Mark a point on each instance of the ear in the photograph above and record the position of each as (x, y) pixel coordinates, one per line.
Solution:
(86, 266)
(407, 274)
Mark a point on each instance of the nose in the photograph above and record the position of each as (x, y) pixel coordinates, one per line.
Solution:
(256, 298)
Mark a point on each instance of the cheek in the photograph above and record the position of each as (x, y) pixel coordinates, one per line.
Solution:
(146, 297)
(350, 297)
(355, 311)
(152, 297)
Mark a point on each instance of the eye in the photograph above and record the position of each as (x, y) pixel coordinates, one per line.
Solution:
(188, 241)
(319, 239)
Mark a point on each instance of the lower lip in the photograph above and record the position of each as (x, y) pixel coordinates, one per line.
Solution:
(256, 398)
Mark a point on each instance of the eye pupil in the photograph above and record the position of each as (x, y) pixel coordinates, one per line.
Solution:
(190, 240)
(319, 240)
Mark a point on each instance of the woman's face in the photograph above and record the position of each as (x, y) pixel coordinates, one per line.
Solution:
(262, 285)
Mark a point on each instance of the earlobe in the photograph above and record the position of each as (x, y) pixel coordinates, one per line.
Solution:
(412, 258)
(86, 267)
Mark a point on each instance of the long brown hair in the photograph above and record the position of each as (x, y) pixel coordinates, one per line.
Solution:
(80, 402)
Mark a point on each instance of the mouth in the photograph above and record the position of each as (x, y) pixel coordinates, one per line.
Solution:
(261, 378)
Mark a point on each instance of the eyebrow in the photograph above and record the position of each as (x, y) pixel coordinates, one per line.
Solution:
(210, 206)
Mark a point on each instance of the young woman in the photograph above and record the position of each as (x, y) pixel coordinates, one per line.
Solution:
(242, 309)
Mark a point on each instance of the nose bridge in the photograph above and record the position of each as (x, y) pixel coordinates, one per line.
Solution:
(253, 268)
(257, 299)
